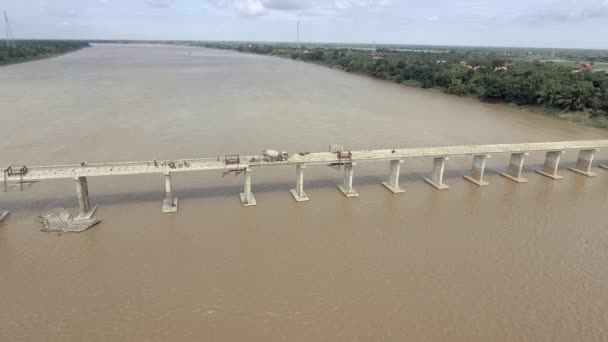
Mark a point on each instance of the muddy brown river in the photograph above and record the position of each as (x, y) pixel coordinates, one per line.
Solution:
(507, 262)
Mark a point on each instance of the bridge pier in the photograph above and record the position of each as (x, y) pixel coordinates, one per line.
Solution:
(551, 165)
(3, 215)
(247, 198)
(478, 170)
(86, 211)
(347, 188)
(393, 179)
(298, 193)
(170, 202)
(436, 179)
(516, 166)
(583, 164)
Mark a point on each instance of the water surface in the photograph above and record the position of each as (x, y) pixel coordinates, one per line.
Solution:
(501, 263)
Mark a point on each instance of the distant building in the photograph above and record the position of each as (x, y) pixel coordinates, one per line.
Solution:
(470, 67)
(585, 67)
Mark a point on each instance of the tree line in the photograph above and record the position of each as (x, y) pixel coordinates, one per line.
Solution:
(26, 50)
(489, 76)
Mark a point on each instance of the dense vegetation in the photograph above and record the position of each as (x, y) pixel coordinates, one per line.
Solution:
(489, 75)
(26, 50)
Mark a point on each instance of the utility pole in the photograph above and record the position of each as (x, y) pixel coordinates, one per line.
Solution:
(10, 43)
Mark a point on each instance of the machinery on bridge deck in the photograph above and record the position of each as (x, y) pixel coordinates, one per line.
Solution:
(345, 157)
(18, 172)
(274, 156)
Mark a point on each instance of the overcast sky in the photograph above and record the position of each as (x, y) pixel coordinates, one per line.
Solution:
(544, 23)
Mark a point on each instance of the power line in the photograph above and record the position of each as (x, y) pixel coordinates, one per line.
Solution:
(298, 34)
(10, 41)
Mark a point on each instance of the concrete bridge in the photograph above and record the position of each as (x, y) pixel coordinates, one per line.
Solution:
(336, 156)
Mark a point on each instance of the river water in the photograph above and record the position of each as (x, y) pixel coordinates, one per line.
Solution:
(507, 262)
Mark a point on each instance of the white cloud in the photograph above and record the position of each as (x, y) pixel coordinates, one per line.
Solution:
(345, 4)
(158, 3)
(250, 7)
(583, 23)
(263, 7)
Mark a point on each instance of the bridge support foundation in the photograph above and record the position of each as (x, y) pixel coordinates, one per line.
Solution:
(86, 211)
(247, 198)
(436, 179)
(298, 193)
(347, 188)
(393, 179)
(478, 170)
(583, 164)
(170, 202)
(516, 166)
(551, 165)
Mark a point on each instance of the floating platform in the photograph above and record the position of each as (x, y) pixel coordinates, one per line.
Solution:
(61, 221)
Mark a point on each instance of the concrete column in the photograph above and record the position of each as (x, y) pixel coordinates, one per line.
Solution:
(298, 193)
(551, 165)
(86, 211)
(436, 179)
(247, 198)
(478, 170)
(3, 215)
(583, 164)
(516, 166)
(168, 184)
(170, 202)
(347, 188)
(393, 178)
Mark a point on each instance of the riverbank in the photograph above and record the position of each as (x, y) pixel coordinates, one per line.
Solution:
(545, 88)
(33, 50)
(584, 118)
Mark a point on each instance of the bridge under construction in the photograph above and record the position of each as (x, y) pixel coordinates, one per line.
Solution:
(336, 156)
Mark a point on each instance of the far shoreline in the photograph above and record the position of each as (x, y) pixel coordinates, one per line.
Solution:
(578, 117)
(77, 47)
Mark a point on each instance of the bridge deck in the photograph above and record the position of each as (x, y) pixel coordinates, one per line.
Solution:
(37, 173)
